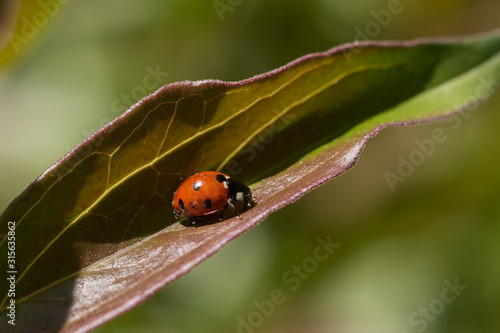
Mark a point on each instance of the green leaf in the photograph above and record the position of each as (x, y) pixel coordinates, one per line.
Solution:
(95, 234)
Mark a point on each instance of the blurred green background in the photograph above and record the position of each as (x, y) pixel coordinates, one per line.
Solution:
(86, 64)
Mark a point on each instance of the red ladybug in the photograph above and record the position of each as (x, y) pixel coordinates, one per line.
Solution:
(207, 193)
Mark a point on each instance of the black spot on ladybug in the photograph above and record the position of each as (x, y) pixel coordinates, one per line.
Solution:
(207, 203)
(220, 178)
(197, 185)
(181, 204)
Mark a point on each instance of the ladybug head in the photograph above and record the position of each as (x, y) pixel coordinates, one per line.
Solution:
(238, 191)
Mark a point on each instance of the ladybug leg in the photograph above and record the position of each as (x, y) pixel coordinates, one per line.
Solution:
(234, 210)
(222, 213)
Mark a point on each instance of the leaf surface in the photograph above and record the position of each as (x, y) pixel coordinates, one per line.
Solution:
(95, 234)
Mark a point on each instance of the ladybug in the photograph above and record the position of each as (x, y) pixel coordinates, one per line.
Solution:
(207, 193)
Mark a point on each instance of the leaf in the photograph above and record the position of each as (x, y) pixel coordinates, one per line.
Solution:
(95, 234)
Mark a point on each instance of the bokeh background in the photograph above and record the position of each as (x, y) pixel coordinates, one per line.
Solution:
(86, 65)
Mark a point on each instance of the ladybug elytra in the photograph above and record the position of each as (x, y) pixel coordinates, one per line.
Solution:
(207, 193)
